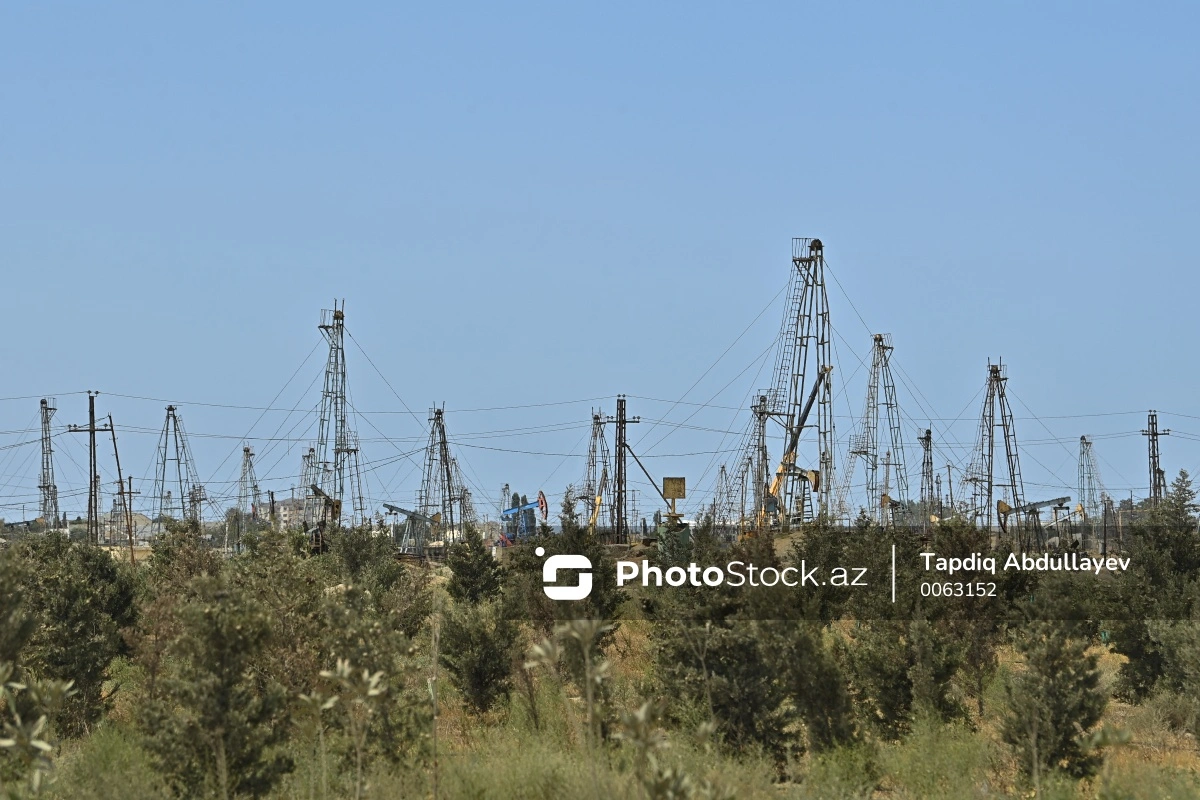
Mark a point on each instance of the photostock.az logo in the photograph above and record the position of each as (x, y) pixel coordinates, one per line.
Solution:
(550, 575)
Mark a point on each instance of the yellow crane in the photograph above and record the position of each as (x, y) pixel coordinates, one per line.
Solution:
(787, 463)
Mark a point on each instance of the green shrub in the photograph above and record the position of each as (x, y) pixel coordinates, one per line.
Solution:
(478, 647)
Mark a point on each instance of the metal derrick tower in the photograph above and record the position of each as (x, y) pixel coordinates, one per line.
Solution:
(596, 492)
(724, 508)
(178, 493)
(444, 496)
(249, 495)
(802, 364)
(46, 485)
(1158, 477)
(982, 473)
(333, 466)
(1091, 491)
(929, 490)
(865, 444)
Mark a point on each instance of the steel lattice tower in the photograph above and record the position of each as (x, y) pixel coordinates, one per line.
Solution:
(865, 444)
(804, 354)
(335, 467)
(443, 494)
(982, 473)
(178, 493)
(927, 482)
(725, 502)
(1158, 478)
(249, 496)
(803, 362)
(1091, 492)
(596, 487)
(46, 485)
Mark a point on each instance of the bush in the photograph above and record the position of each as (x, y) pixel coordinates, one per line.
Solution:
(215, 725)
(1054, 703)
(478, 647)
(82, 600)
(474, 573)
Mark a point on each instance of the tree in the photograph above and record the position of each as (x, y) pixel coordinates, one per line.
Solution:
(82, 600)
(1054, 703)
(478, 647)
(1178, 505)
(474, 573)
(216, 723)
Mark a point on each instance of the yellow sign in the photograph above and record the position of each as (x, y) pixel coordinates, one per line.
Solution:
(674, 488)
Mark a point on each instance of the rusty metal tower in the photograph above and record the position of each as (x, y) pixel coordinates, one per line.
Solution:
(178, 493)
(335, 468)
(595, 491)
(444, 497)
(805, 353)
(46, 485)
(1091, 490)
(1158, 478)
(987, 490)
(865, 444)
(249, 495)
(928, 489)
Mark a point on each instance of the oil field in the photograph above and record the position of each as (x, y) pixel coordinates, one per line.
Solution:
(775, 464)
(355, 646)
(612, 401)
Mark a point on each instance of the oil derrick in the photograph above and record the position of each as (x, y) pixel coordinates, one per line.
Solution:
(723, 510)
(46, 485)
(595, 493)
(865, 444)
(335, 467)
(982, 473)
(249, 496)
(929, 492)
(1091, 491)
(801, 369)
(443, 497)
(1158, 478)
(178, 493)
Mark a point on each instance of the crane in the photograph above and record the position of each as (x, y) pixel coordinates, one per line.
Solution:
(598, 500)
(787, 461)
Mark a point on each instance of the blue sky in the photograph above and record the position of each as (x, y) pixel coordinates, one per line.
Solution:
(558, 203)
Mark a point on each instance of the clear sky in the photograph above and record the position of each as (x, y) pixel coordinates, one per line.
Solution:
(554, 204)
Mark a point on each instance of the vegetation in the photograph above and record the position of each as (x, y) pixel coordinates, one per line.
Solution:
(276, 673)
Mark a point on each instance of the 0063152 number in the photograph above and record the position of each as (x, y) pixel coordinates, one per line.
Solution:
(958, 590)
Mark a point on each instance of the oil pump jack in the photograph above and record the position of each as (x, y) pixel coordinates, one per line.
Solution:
(772, 511)
(331, 513)
(1031, 512)
(416, 531)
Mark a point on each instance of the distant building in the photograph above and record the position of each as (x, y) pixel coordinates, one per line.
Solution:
(289, 513)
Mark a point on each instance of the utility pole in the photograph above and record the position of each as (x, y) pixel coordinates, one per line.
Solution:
(1158, 480)
(620, 500)
(93, 529)
(129, 524)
